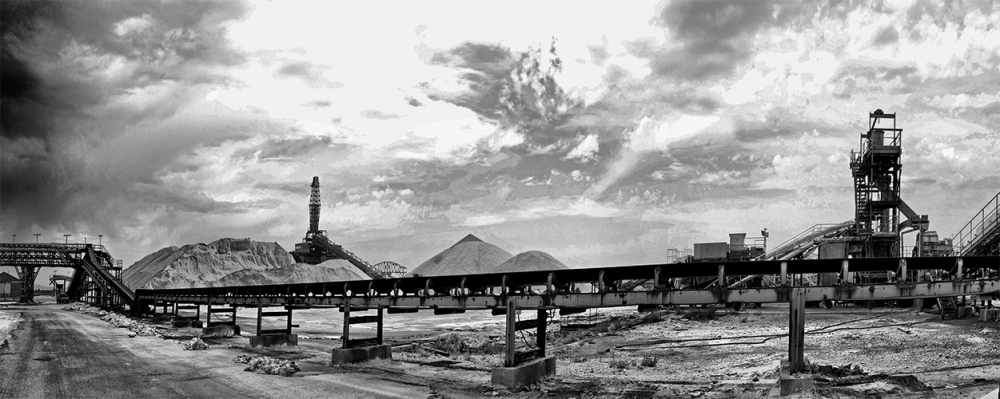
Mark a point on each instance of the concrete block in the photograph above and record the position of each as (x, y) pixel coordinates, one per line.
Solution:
(355, 355)
(525, 374)
(226, 331)
(274, 340)
(787, 384)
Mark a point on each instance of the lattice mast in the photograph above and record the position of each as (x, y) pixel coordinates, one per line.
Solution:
(314, 204)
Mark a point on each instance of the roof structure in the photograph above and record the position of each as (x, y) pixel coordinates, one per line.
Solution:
(470, 255)
(6, 278)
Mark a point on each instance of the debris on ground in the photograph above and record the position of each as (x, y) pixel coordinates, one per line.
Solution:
(836, 372)
(267, 365)
(195, 344)
(136, 328)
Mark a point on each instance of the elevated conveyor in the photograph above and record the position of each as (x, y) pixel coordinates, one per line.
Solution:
(88, 261)
(807, 239)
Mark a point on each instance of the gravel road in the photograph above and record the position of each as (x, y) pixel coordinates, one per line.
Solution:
(60, 354)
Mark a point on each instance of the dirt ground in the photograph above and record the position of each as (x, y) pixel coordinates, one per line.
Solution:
(680, 352)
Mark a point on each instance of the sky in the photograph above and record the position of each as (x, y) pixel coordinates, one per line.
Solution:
(603, 133)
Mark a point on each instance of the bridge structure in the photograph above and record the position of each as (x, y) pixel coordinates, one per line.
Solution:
(547, 292)
(96, 277)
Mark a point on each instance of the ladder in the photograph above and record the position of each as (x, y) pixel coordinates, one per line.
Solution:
(948, 304)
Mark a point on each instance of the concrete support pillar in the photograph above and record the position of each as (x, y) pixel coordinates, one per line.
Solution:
(347, 326)
(540, 332)
(796, 330)
(511, 330)
(260, 315)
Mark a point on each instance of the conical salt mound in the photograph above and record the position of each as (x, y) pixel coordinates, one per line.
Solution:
(531, 261)
(470, 255)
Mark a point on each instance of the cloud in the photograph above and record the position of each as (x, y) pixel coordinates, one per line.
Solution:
(119, 104)
(586, 150)
(712, 37)
(376, 114)
(308, 72)
(886, 36)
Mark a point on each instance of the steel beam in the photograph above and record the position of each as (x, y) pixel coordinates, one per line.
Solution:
(871, 292)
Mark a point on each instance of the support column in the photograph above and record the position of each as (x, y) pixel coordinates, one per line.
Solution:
(347, 326)
(359, 350)
(378, 333)
(260, 315)
(796, 330)
(514, 375)
(511, 330)
(540, 332)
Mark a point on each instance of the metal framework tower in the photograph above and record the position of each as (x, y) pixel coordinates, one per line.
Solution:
(876, 169)
(314, 205)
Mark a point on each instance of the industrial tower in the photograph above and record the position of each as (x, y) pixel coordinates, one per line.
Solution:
(314, 206)
(876, 169)
(317, 248)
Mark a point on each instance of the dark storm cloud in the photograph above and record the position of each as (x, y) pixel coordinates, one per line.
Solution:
(489, 66)
(308, 72)
(713, 36)
(69, 146)
(503, 88)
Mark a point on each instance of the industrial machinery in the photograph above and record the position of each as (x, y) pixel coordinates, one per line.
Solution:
(735, 250)
(876, 169)
(317, 248)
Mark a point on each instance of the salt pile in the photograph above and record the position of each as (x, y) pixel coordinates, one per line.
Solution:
(470, 255)
(530, 261)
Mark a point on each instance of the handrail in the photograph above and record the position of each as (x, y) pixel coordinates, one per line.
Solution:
(806, 237)
(986, 220)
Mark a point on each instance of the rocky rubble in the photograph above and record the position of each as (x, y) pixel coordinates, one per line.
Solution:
(267, 365)
(136, 328)
(195, 344)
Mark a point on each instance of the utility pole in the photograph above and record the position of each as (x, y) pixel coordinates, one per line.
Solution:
(15, 237)
(100, 239)
(36, 238)
(67, 237)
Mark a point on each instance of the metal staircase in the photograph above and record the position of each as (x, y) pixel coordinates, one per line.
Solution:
(981, 236)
